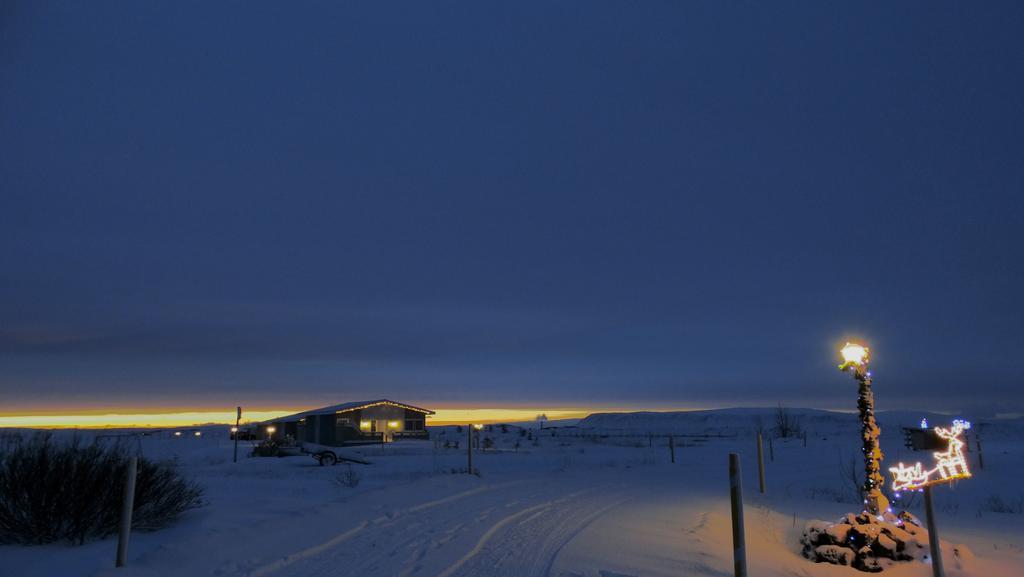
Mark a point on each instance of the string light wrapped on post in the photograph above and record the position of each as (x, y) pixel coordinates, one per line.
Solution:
(855, 360)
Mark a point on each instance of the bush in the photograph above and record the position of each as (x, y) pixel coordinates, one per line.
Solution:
(73, 491)
(996, 504)
(267, 448)
(349, 477)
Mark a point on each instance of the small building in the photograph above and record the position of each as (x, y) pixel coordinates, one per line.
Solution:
(354, 423)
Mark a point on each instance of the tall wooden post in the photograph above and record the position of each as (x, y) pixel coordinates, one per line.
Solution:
(771, 449)
(127, 504)
(933, 534)
(875, 501)
(672, 447)
(469, 448)
(760, 461)
(739, 553)
(238, 419)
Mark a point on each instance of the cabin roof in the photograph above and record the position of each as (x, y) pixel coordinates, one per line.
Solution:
(350, 406)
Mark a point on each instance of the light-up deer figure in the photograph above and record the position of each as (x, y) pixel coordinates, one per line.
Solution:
(949, 465)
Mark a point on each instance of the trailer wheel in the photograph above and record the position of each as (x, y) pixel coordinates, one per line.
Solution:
(328, 458)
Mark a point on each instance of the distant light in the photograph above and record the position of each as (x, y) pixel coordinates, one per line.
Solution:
(854, 354)
(271, 430)
(365, 425)
(234, 429)
(198, 433)
(177, 433)
(477, 426)
(924, 423)
(393, 424)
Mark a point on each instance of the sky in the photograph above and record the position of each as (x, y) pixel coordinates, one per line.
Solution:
(509, 204)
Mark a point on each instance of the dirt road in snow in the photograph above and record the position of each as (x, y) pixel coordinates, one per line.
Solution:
(502, 529)
(514, 529)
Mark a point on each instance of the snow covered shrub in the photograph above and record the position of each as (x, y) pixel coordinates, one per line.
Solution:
(996, 504)
(349, 477)
(267, 448)
(72, 491)
(786, 425)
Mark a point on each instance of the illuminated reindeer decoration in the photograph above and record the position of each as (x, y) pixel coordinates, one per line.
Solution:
(949, 465)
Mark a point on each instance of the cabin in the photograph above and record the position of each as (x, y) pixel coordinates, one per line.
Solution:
(355, 423)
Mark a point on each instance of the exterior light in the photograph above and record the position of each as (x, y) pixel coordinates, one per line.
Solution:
(477, 426)
(365, 425)
(198, 433)
(234, 429)
(271, 430)
(177, 433)
(854, 354)
(393, 424)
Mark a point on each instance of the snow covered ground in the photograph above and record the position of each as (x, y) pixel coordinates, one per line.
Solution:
(594, 501)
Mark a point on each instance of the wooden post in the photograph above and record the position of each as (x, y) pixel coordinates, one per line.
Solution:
(469, 448)
(760, 461)
(672, 447)
(981, 459)
(238, 419)
(739, 553)
(771, 449)
(127, 503)
(933, 535)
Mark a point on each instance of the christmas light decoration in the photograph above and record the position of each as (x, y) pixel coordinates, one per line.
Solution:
(854, 354)
(924, 423)
(949, 464)
(856, 359)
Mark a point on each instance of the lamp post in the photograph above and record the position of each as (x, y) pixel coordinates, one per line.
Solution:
(855, 359)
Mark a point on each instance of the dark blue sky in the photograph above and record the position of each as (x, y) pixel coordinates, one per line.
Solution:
(657, 203)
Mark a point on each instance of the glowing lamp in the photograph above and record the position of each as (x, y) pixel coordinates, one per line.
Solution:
(393, 424)
(271, 430)
(177, 433)
(854, 354)
(198, 433)
(364, 425)
(234, 429)
(477, 426)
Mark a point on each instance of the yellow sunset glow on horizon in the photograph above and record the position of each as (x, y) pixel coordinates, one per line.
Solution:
(197, 417)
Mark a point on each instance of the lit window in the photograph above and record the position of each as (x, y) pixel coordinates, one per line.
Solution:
(364, 425)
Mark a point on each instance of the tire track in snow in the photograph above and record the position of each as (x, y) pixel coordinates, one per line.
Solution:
(333, 542)
(307, 553)
(487, 536)
(529, 547)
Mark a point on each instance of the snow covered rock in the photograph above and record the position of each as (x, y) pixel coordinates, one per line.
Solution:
(865, 542)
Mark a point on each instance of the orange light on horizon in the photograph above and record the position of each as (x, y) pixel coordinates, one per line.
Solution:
(453, 416)
(147, 420)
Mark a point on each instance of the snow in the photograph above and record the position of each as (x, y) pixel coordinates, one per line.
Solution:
(601, 504)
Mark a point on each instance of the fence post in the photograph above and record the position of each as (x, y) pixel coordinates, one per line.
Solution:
(672, 447)
(981, 459)
(933, 535)
(126, 513)
(238, 420)
(760, 461)
(771, 449)
(739, 553)
(469, 448)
